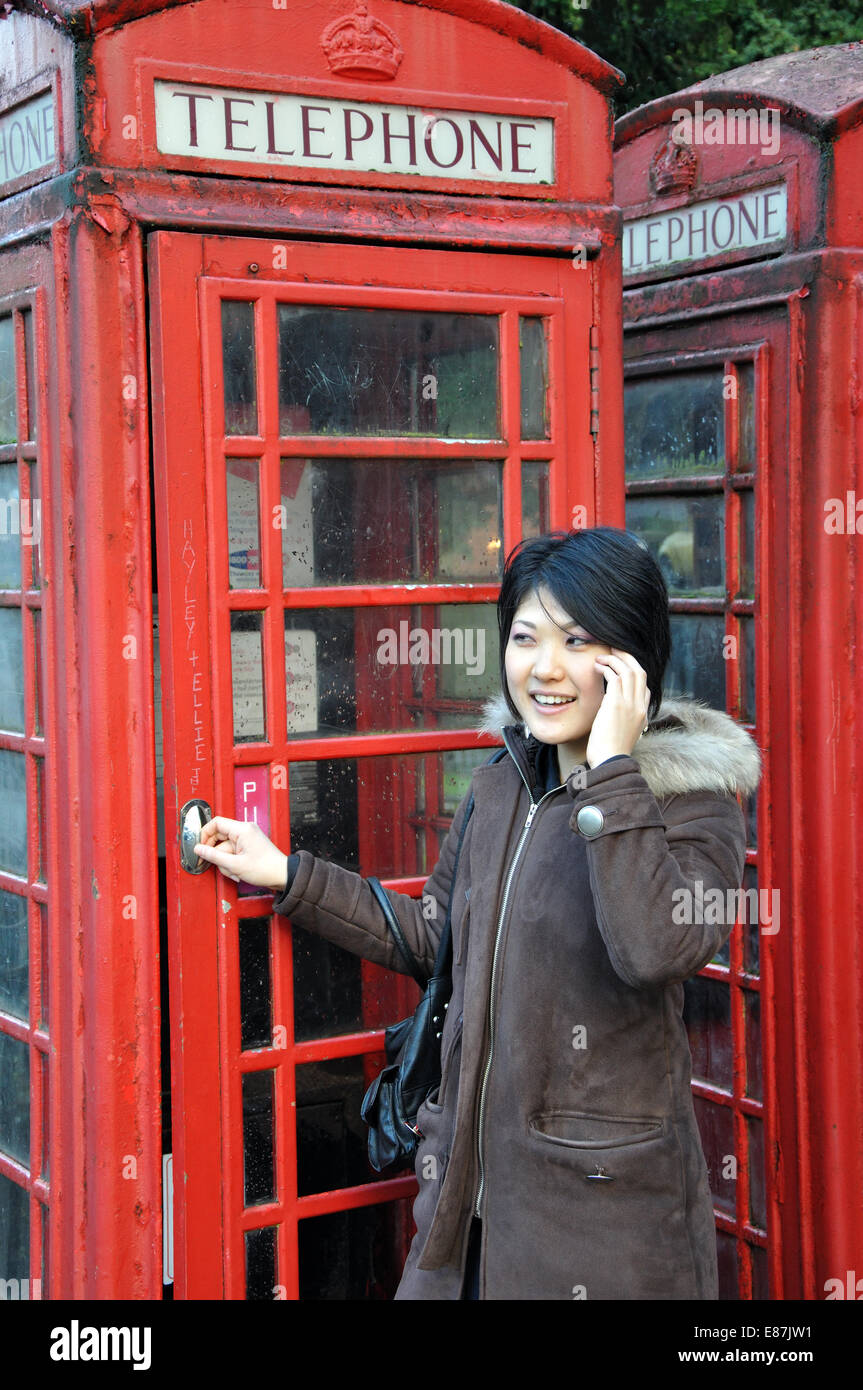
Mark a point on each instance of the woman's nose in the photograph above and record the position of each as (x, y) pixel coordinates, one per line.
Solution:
(546, 664)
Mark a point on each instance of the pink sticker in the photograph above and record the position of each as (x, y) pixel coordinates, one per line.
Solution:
(252, 803)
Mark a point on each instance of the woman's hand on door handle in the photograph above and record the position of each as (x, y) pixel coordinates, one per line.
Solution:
(243, 852)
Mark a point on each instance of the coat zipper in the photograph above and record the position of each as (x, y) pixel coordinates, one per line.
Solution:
(534, 807)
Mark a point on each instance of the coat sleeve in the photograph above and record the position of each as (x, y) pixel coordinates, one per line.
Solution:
(339, 905)
(651, 869)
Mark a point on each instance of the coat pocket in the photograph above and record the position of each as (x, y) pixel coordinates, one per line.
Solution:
(581, 1129)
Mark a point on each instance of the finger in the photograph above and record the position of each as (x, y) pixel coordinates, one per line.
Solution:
(223, 858)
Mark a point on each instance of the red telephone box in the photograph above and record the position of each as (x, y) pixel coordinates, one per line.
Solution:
(287, 305)
(743, 305)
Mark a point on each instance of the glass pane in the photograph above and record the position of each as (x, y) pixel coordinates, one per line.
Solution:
(332, 1137)
(30, 357)
(366, 813)
(37, 660)
(716, 1127)
(387, 371)
(13, 823)
(42, 823)
(259, 1175)
(760, 1279)
(43, 936)
(534, 378)
(10, 527)
(750, 808)
(384, 669)
(238, 365)
(534, 499)
(256, 1018)
(46, 1113)
(14, 955)
(14, 1230)
(746, 460)
(367, 521)
(11, 671)
(686, 537)
(356, 1254)
(707, 1015)
(696, 667)
(244, 541)
(726, 1255)
(15, 1090)
(757, 1191)
(752, 925)
(747, 670)
(247, 677)
(261, 1263)
(8, 378)
(747, 544)
(674, 425)
(752, 1024)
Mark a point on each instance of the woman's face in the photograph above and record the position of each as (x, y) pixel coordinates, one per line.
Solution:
(543, 660)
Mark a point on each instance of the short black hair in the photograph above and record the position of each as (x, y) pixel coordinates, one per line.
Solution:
(607, 581)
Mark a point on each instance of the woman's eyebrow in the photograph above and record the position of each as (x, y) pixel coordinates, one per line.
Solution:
(566, 626)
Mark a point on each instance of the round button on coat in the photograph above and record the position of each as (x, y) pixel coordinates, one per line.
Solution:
(590, 821)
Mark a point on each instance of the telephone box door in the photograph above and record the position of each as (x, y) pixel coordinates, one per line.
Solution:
(347, 442)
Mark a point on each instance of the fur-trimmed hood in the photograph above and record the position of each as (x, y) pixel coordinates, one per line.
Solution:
(688, 747)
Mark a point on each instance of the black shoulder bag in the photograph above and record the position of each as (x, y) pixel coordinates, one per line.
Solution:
(412, 1046)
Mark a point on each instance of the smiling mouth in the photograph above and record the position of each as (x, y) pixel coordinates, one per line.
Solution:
(552, 702)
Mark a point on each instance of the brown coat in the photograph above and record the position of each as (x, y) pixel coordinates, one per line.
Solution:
(568, 963)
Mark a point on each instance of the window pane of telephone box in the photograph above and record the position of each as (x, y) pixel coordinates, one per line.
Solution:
(534, 499)
(332, 1137)
(385, 669)
(674, 425)
(30, 357)
(534, 378)
(8, 406)
(14, 955)
(697, 667)
(256, 1015)
(14, 1230)
(13, 823)
(752, 925)
(370, 521)
(261, 1264)
(686, 537)
(364, 813)
(238, 366)
(10, 527)
(259, 1179)
(354, 1255)
(746, 460)
(11, 670)
(726, 1257)
(247, 677)
(387, 372)
(716, 1127)
(707, 1016)
(15, 1091)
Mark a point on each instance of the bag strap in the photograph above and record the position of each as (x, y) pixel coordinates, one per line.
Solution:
(405, 951)
(443, 958)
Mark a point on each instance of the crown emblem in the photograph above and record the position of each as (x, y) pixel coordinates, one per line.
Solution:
(358, 46)
(674, 167)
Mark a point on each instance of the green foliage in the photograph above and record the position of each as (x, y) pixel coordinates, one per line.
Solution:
(664, 45)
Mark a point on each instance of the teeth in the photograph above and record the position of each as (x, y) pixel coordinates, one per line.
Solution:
(553, 699)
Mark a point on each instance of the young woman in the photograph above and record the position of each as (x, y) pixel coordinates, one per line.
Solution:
(566, 1158)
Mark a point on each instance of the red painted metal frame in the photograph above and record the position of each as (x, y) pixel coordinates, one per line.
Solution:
(28, 601)
(768, 334)
(205, 1263)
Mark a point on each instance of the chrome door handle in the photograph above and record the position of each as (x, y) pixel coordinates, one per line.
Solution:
(193, 818)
